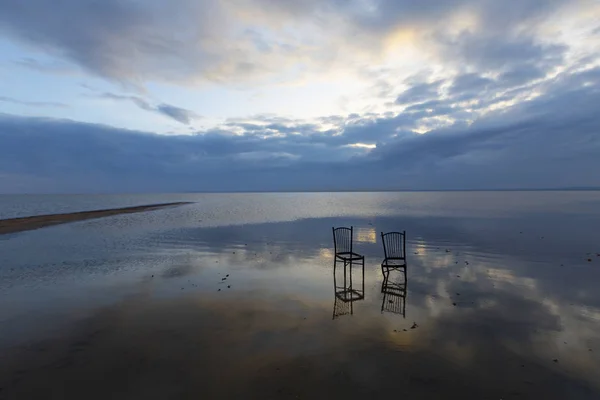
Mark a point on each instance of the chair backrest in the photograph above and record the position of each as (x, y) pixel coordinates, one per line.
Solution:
(342, 240)
(394, 244)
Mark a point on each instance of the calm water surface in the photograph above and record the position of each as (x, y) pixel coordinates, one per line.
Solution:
(233, 297)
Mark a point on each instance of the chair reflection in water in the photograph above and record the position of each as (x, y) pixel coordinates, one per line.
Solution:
(394, 290)
(346, 290)
(394, 294)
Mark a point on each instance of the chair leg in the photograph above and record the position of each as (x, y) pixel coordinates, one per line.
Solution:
(345, 283)
(363, 277)
(385, 270)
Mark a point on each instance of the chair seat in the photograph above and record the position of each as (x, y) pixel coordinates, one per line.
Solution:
(349, 295)
(394, 262)
(349, 256)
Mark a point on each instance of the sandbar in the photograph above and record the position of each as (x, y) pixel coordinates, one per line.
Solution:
(14, 225)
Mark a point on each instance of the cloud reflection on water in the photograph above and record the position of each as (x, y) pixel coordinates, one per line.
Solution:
(490, 321)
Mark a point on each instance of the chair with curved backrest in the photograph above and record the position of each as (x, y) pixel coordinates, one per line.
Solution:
(394, 250)
(342, 243)
(346, 292)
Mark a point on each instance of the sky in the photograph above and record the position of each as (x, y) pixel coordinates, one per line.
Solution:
(275, 95)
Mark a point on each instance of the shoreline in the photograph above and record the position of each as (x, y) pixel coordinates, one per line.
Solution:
(14, 225)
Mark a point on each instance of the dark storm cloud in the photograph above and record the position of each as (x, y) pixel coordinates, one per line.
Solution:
(552, 138)
(177, 113)
(549, 141)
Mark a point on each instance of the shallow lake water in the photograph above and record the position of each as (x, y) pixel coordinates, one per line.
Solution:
(234, 297)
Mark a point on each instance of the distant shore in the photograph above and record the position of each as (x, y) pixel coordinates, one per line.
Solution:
(14, 225)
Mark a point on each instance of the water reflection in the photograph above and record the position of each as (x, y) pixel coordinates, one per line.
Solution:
(366, 235)
(347, 288)
(393, 289)
(497, 310)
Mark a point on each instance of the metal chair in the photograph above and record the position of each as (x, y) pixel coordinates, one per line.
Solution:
(342, 243)
(394, 251)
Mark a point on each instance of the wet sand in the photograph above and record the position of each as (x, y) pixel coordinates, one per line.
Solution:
(14, 225)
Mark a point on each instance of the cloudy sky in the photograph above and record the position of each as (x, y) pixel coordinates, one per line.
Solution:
(211, 95)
